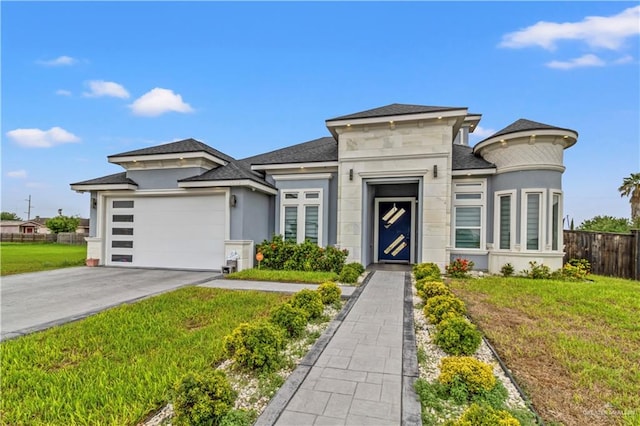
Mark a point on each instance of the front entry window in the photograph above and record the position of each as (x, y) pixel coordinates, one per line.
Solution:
(301, 215)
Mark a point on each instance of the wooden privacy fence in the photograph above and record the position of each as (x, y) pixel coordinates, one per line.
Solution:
(614, 255)
(61, 238)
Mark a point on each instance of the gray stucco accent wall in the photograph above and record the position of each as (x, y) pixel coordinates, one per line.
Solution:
(162, 178)
(93, 214)
(329, 204)
(251, 218)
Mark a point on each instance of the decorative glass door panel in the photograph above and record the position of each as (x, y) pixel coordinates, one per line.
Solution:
(394, 231)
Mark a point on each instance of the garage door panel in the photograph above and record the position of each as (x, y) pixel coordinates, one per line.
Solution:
(173, 232)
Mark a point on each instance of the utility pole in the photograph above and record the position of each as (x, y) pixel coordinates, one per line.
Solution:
(29, 207)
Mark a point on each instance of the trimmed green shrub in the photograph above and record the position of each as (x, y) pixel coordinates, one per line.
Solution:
(439, 308)
(484, 415)
(291, 319)
(280, 254)
(466, 377)
(237, 418)
(256, 346)
(329, 293)
(457, 336)
(350, 273)
(429, 289)
(537, 272)
(507, 270)
(202, 399)
(429, 271)
(309, 301)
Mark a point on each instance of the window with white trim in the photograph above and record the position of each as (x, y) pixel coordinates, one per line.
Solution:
(533, 220)
(469, 214)
(556, 220)
(505, 219)
(301, 215)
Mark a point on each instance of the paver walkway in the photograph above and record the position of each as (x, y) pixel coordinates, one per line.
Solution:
(357, 380)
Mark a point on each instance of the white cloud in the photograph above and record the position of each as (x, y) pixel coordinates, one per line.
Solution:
(481, 132)
(63, 92)
(36, 138)
(101, 88)
(17, 174)
(607, 32)
(159, 101)
(624, 60)
(588, 60)
(60, 61)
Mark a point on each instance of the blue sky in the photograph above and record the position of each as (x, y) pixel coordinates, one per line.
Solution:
(83, 80)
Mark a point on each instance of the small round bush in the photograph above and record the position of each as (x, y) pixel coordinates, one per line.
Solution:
(236, 418)
(429, 271)
(291, 319)
(457, 336)
(202, 399)
(356, 266)
(256, 346)
(466, 374)
(309, 301)
(329, 292)
(350, 273)
(439, 308)
(484, 415)
(429, 289)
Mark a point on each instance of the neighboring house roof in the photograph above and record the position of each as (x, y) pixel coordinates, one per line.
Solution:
(117, 178)
(186, 145)
(463, 158)
(318, 150)
(395, 109)
(11, 222)
(523, 125)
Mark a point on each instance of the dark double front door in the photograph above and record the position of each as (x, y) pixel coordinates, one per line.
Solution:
(394, 231)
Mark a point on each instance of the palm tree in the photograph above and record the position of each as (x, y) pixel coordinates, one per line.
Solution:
(631, 186)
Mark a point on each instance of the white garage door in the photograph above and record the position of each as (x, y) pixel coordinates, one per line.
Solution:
(166, 232)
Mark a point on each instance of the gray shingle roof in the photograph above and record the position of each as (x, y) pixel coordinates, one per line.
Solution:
(464, 159)
(395, 109)
(232, 171)
(117, 178)
(523, 125)
(186, 145)
(317, 150)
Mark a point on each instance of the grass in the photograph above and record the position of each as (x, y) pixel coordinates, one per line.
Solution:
(17, 258)
(311, 277)
(118, 366)
(574, 346)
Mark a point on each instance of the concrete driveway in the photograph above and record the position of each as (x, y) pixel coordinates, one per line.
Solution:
(35, 301)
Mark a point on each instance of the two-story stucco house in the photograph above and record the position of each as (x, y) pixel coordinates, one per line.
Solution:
(398, 183)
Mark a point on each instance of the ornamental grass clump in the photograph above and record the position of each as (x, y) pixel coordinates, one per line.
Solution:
(457, 336)
(429, 271)
(484, 415)
(291, 319)
(257, 346)
(202, 399)
(439, 308)
(309, 301)
(329, 293)
(428, 289)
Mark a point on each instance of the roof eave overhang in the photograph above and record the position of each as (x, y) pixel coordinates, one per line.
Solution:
(228, 183)
(104, 187)
(432, 115)
(471, 121)
(161, 157)
(568, 137)
(473, 172)
(285, 166)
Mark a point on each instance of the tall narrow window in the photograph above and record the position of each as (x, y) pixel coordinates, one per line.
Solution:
(291, 223)
(555, 221)
(301, 215)
(533, 221)
(469, 214)
(505, 222)
(468, 226)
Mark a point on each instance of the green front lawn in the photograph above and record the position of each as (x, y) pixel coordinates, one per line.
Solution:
(17, 258)
(310, 277)
(574, 346)
(118, 366)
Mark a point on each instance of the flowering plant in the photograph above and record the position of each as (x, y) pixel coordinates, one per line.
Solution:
(459, 268)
